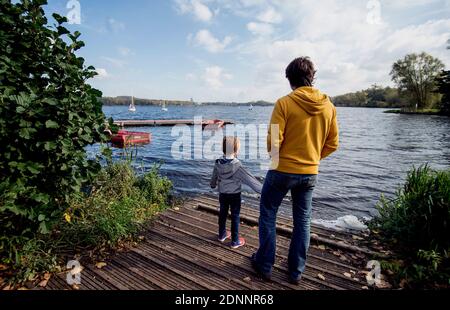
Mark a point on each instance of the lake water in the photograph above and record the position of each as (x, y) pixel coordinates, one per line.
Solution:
(377, 150)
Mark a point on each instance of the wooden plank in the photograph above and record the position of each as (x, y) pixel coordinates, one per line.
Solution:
(314, 262)
(249, 249)
(288, 231)
(181, 252)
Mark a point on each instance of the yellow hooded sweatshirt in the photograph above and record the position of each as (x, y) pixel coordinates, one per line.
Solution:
(307, 131)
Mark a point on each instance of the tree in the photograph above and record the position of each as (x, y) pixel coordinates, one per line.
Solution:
(443, 87)
(48, 115)
(416, 74)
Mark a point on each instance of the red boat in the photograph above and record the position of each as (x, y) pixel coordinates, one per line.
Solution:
(126, 138)
(213, 124)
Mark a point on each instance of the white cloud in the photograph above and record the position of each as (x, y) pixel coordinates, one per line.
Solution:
(101, 74)
(195, 7)
(262, 29)
(207, 40)
(350, 53)
(214, 77)
(270, 16)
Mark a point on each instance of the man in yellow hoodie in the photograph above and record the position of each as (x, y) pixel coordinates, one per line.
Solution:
(303, 131)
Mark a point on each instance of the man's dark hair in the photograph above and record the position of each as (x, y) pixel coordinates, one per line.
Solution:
(301, 72)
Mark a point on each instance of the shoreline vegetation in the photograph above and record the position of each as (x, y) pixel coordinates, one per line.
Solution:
(414, 225)
(126, 100)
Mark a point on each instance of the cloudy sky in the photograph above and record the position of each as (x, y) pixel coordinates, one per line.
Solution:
(237, 50)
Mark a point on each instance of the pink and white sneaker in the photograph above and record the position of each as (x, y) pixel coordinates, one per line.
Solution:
(226, 237)
(237, 245)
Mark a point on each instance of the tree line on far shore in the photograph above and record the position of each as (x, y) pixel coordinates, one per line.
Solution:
(422, 84)
(126, 100)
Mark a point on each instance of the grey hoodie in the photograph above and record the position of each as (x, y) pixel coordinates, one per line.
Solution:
(229, 175)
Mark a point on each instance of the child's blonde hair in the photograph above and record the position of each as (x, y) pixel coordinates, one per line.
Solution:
(231, 145)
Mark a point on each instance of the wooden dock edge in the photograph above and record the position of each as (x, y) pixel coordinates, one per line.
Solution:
(288, 232)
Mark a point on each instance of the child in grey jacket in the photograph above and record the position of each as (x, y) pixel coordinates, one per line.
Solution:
(228, 176)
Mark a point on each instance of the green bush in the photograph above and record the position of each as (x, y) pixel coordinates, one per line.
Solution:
(48, 115)
(417, 221)
(114, 210)
(444, 89)
(118, 205)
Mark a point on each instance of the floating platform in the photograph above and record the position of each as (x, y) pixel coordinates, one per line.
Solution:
(179, 251)
(170, 122)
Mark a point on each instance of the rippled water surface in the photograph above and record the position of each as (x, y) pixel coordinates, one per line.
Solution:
(376, 151)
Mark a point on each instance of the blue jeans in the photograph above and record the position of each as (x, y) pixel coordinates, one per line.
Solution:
(275, 188)
(227, 202)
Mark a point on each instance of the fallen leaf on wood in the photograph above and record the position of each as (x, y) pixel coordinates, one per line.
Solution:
(75, 287)
(343, 258)
(314, 236)
(352, 271)
(141, 238)
(22, 289)
(333, 236)
(348, 275)
(356, 279)
(322, 247)
(47, 276)
(365, 287)
(383, 284)
(43, 283)
(336, 253)
(354, 237)
(100, 265)
(176, 209)
(321, 277)
(247, 279)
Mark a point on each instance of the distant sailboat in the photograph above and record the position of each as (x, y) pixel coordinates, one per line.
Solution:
(132, 107)
(251, 107)
(164, 108)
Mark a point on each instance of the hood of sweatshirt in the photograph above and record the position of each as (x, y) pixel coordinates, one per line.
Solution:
(310, 99)
(227, 167)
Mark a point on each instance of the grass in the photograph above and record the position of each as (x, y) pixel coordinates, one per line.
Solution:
(112, 211)
(416, 225)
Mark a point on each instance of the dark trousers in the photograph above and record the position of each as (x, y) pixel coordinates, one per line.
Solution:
(275, 188)
(227, 202)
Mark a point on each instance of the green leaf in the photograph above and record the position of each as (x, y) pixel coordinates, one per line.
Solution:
(43, 228)
(59, 19)
(51, 124)
(50, 146)
(50, 101)
(20, 109)
(40, 197)
(25, 133)
(33, 170)
(41, 217)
